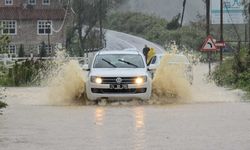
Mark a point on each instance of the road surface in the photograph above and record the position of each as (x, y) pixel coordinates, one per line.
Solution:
(213, 119)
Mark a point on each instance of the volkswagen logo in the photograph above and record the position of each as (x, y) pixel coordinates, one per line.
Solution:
(118, 80)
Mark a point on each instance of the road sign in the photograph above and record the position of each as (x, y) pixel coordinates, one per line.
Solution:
(209, 44)
(220, 44)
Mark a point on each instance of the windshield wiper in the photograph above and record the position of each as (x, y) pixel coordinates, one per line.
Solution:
(108, 62)
(129, 63)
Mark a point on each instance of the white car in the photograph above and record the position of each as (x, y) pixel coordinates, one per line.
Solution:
(118, 75)
(175, 59)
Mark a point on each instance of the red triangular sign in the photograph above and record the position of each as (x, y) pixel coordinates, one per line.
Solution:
(209, 44)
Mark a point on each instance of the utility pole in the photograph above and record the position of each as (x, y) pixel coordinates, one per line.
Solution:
(100, 21)
(183, 11)
(249, 28)
(208, 32)
(221, 30)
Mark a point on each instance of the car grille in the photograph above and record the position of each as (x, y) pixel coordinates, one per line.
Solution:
(112, 80)
(119, 91)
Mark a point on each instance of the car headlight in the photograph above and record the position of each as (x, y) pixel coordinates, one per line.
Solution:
(95, 79)
(141, 80)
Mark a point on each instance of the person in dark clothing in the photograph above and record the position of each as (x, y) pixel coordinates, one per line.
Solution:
(145, 52)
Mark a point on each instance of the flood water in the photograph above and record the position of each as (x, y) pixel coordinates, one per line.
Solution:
(176, 126)
(213, 118)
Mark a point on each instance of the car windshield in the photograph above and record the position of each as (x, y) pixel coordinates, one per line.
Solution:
(119, 61)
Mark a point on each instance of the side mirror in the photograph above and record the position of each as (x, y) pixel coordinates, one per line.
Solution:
(85, 67)
(152, 67)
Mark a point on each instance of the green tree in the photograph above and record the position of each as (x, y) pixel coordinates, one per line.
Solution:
(4, 41)
(43, 51)
(88, 15)
(174, 23)
(21, 51)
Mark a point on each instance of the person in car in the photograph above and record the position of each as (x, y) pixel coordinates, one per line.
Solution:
(151, 54)
(145, 51)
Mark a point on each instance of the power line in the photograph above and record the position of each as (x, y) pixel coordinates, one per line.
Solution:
(64, 19)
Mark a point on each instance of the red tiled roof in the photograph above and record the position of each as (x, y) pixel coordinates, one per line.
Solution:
(16, 13)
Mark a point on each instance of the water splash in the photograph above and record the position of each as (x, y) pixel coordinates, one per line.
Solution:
(68, 84)
(169, 83)
(64, 81)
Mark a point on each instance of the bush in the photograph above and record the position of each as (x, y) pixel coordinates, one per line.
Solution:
(43, 52)
(25, 73)
(2, 105)
(229, 75)
(2, 96)
(21, 52)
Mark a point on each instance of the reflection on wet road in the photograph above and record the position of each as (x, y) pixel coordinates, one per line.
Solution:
(99, 115)
(183, 127)
(139, 137)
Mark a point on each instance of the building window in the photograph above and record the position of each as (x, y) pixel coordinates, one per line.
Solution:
(44, 27)
(8, 2)
(46, 2)
(48, 48)
(32, 2)
(9, 27)
(11, 49)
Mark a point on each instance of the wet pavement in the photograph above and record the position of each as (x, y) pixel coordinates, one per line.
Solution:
(193, 126)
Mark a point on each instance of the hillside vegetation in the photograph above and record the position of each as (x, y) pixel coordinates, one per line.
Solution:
(156, 29)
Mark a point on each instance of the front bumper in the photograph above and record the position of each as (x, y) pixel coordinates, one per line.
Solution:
(103, 91)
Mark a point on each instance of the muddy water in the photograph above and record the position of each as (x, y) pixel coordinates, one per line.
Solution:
(67, 84)
(35, 120)
(206, 126)
(169, 83)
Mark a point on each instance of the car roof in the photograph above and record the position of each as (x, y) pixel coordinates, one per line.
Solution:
(118, 52)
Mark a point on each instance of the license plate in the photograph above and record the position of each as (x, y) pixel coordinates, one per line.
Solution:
(119, 86)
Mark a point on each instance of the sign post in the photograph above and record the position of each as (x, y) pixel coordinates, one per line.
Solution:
(209, 46)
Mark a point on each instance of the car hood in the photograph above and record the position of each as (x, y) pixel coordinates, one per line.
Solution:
(118, 72)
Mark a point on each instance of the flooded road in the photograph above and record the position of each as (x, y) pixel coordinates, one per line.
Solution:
(213, 118)
(194, 126)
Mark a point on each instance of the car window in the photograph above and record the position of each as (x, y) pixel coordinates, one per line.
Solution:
(119, 61)
(153, 60)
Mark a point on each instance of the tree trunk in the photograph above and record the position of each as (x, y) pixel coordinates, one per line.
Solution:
(81, 43)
